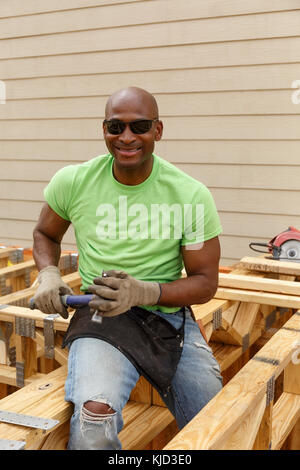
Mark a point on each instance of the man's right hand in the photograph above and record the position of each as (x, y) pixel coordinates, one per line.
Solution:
(51, 286)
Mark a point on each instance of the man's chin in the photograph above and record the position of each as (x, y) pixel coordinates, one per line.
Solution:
(132, 161)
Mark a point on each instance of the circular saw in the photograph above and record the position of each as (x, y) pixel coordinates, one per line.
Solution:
(285, 246)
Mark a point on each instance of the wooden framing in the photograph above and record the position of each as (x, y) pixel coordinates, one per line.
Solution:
(22, 275)
(243, 414)
(235, 329)
(10, 255)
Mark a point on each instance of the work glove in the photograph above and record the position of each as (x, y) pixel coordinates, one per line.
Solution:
(51, 286)
(116, 292)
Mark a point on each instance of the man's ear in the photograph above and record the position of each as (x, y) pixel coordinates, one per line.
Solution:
(159, 131)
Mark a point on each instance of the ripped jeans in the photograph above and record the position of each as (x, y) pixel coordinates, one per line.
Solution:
(100, 372)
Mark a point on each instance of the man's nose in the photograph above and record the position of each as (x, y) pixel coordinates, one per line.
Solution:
(127, 135)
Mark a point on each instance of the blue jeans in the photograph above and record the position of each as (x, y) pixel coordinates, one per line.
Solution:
(100, 372)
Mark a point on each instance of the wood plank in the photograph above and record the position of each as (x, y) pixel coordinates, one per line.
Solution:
(244, 437)
(262, 284)
(132, 410)
(293, 440)
(179, 104)
(246, 79)
(21, 268)
(58, 439)
(60, 355)
(143, 429)
(241, 28)
(205, 312)
(291, 383)
(279, 300)
(285, 415)
(226, 411)
(270, 266)
(30, 7)
(266, 51)
(7, 252)
(21, 297)
(229, 314)
(11, 311)
(25, 228)
(142, 392)
(216, 127)
(245, 318)
(8, 376)
(220, 7)
(263, 438)
(36, 401)
(248, 200)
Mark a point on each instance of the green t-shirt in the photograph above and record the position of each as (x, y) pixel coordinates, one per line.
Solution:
(138, 229)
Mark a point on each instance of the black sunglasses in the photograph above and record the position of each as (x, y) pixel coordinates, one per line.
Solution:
(140, 126)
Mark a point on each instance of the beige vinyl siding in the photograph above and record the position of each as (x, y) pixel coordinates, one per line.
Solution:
(221, 72)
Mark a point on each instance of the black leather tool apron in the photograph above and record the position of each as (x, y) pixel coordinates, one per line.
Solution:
(150, 342)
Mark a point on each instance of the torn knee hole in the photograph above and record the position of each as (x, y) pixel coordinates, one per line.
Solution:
(98, 408)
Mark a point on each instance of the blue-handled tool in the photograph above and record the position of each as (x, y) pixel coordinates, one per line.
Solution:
(74, 301)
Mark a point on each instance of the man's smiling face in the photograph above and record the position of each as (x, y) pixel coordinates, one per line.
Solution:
(131, 150)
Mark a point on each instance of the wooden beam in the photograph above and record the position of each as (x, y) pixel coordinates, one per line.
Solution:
(270, 266)
(285, 416)
(245, 436)
(223, 415)
(278, 300)
(278, 286)
(245, 318)
(9, 313)
(143, 429)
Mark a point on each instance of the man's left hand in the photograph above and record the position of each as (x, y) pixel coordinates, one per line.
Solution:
(117, 292)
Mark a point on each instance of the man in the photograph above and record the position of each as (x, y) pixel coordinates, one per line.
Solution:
(140, 220)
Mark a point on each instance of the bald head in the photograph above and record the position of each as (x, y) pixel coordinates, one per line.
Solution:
(133, 99)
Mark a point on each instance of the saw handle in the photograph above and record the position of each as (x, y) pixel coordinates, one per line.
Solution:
(260, 244)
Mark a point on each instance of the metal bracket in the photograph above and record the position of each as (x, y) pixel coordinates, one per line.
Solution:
(27, 277)
(246, 342)
(49, 335)
(267, 360)
(270, 390)
(64, 263)
(25, 327)
(27, 420)
(3, 287)
(6, 444)
(74, 261)
(283, 310)
(12, 356)
(20, 374)
(271, 318)
(17, 256)
(20, 255)
(217, 318)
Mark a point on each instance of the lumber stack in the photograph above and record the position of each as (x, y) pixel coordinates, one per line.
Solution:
(244, 415)
(249, 307)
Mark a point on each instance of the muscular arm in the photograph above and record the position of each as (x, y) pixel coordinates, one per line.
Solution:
(200, 285)
(47, 237)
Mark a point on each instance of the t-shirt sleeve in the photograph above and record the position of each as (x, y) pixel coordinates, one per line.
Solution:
(201, 219)
(59, 190)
